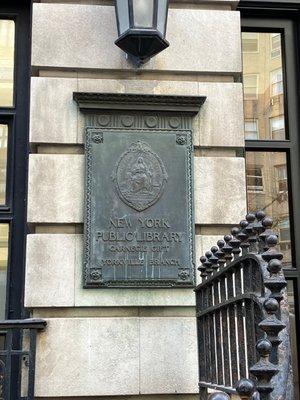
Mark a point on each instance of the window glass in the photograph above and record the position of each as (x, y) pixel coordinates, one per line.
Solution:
(250, 42)
(3, 161)
(7, 49)
(251, 129)
(294, 350)
(277, 128)
(251, 86)
(276, 82)
(254, 178)
(275, 45)
(267, 189)
(4, 235)
(143, 13)
(263, 85)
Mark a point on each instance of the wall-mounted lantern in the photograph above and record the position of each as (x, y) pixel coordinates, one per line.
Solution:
(142, 27)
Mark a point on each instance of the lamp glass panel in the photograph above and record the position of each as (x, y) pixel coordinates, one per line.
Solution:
(4, 236)
(7, 50)
(122, 15)
(162, 10)
(143, 13)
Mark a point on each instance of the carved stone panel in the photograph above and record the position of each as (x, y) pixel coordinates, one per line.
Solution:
(138, 208)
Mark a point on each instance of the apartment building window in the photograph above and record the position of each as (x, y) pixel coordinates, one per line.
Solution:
(275, 45)
(277, 127)
(250, 87)
(254, 174)
(251, 129)
(282, 179)
(284, 235)
(276, 82)
(272, 157)
(250, 42)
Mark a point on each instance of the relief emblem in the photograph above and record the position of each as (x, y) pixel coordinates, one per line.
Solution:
(140, 176)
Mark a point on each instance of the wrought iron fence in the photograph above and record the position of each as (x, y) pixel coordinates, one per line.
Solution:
(242, 316)
(17, 358)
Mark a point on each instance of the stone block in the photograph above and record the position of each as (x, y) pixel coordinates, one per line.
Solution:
(88, 357)
(141, 86)
(70, 36)
(55, 188)
(50, 264)
(126, 297)
(218, 124)
(53, 113)
(54, 279)
(203, 243)
(117, 356)
(221, 120)
(168, 358)
(220, 190)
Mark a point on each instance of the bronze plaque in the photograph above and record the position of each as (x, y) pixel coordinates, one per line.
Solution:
(139, 224)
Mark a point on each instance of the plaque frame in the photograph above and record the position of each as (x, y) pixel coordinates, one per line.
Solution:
(106, 113)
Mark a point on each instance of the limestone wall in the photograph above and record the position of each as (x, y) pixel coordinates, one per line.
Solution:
(123, 342)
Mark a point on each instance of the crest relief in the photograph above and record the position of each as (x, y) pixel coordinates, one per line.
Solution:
(140, 176)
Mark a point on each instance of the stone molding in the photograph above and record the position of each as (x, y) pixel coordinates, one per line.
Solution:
(138, 102)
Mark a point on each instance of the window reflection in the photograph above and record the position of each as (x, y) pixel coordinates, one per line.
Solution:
(250, 42)
(7, 45)
(251, 129)
(293, 336)
(3, 161)
(263, 85)
(275, 45)
(4, 235)
(267, 189)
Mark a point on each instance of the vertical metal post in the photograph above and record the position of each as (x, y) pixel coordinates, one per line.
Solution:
(31, 371)
(7, 376)
(203, 393)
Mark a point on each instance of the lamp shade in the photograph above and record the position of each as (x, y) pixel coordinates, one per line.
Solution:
(142, 27)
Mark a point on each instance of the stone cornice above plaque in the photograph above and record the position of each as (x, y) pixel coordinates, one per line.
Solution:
(138, 102)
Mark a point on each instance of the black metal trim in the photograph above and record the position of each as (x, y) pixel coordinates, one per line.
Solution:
(155, 13)
(18, 116)
(16, 356)
(29, 323)
(131, 16)
(284, 17)
(224, 304)
(14, 212)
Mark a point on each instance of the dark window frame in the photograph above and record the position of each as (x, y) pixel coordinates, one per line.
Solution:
(284, 16)
(17, 117)
(14, 212)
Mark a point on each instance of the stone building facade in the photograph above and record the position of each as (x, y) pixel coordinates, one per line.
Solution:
(123, 342)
